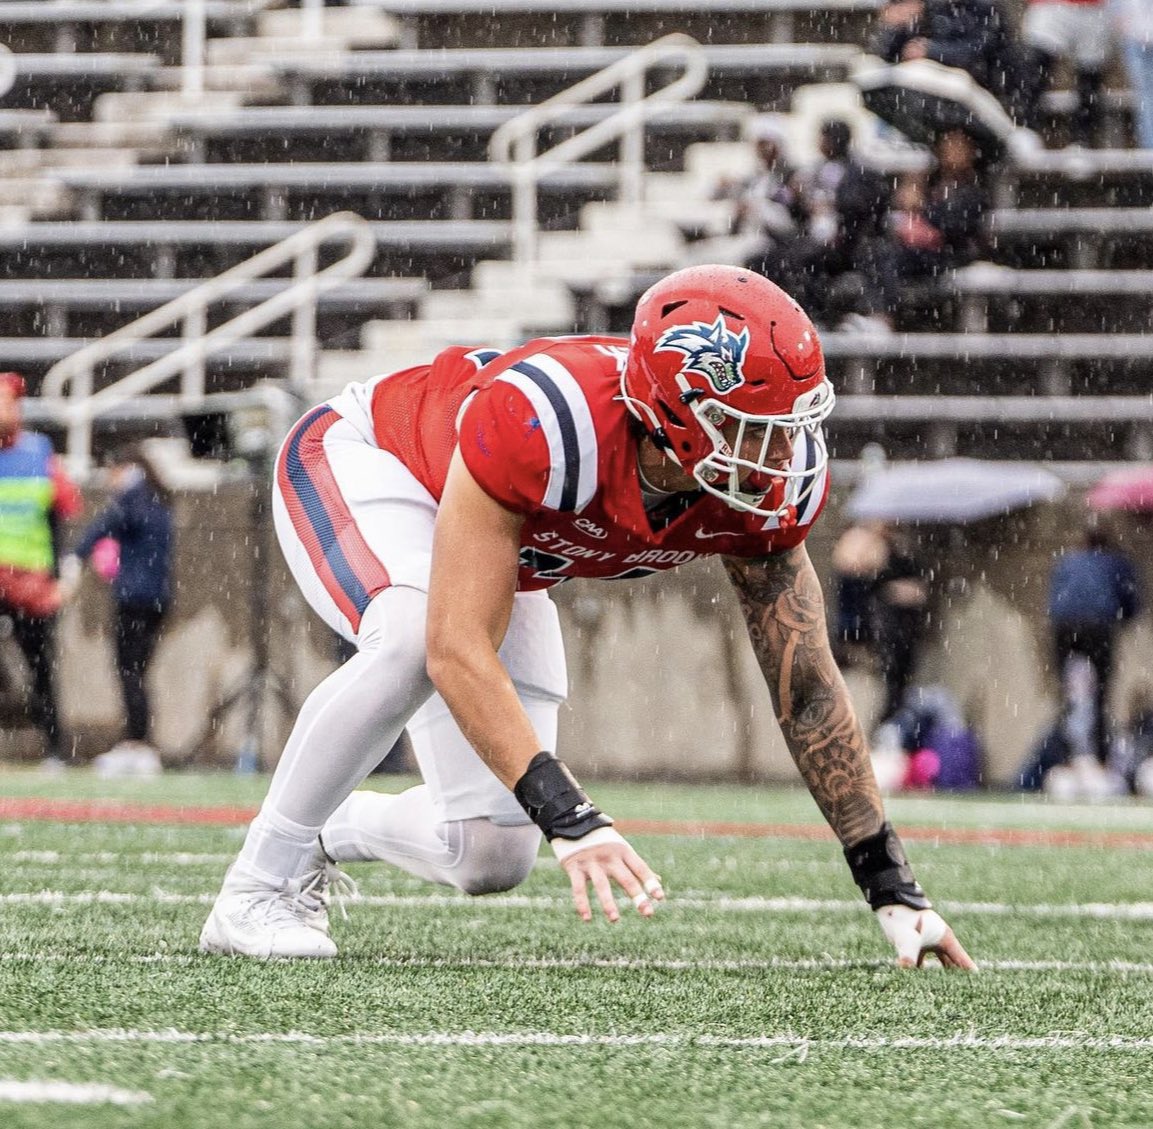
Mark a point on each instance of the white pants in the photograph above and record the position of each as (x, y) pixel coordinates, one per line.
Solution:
(354, 523)
(356, 530)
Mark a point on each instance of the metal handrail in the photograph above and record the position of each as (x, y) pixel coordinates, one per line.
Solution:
(74, 375)
(514, 143)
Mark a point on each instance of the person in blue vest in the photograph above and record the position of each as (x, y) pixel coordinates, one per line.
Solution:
(36, 496)
(138, 520)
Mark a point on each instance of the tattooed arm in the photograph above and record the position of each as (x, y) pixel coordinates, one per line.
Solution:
(784, 612)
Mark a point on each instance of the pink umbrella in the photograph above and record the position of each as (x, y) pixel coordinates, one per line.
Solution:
(1128, 489)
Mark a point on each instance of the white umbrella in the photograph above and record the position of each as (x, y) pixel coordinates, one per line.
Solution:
(952, 490)
(923, 99)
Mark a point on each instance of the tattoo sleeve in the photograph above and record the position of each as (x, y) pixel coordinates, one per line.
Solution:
(784, 612)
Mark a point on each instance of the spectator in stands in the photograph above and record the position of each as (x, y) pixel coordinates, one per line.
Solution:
(1133, 26)
(139, 521)
(972, 35)
(36, 496)
(1093, 590)
(859, 555)
(936, 225)
(763, 204)
(900, 598)
(882, 596)
(843, 205)
(1076, 31)
(425, 514)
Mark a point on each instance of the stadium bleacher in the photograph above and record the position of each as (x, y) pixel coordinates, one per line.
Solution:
(1071, 237)
(763, 73)
(69, 84)
(114, 174)
(400, 190)
(400, 135)
(422, 23)
(376, 133)
(120, 190)
(68, 26)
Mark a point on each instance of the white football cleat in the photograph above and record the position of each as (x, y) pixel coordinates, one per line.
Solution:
(266, 922)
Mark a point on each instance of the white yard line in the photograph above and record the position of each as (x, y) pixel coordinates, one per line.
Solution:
(622, 964)
(69, 1093)
(1121, 911)
(117, 858)
(961, 1040)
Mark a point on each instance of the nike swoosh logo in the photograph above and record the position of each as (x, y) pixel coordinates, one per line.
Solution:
(703, 536)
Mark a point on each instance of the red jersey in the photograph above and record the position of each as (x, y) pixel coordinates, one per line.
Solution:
(543, 430)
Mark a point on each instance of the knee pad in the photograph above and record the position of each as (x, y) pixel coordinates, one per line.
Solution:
(491, 858)
(392, 635)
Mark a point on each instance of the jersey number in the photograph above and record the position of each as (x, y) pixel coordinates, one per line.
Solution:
(552, 566)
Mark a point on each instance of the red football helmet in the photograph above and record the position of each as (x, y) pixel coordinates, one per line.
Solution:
(720, 359)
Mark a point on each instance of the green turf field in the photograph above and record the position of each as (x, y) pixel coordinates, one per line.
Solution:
(761, 994)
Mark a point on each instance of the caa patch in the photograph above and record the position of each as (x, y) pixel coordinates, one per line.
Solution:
(714, 351)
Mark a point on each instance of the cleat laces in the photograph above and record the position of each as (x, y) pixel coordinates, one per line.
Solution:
(328, 883)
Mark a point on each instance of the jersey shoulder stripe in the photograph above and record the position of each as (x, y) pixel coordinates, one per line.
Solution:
(804, 460)
(814, 484)
(567, 423)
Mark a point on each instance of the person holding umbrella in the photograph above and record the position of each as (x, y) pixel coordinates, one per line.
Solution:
(970, 35)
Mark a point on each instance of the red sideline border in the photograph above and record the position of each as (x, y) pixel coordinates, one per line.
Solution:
(114, 811)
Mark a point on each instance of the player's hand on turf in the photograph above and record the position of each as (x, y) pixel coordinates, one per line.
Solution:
(916, 932)
(601, 864)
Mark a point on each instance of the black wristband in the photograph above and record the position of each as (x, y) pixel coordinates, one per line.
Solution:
(555, 802)
(879, 867)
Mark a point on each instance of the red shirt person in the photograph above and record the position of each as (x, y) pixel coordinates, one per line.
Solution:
(424, 516)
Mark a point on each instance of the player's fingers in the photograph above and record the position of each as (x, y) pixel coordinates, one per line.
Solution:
(580, 895)
(629, 882)
(604, 891)
(952, 954)
(650, 880)
(908, 945)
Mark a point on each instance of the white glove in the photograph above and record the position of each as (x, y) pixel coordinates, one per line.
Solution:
(915, 932)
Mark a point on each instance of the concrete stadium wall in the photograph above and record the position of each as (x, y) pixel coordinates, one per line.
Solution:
(663, 681)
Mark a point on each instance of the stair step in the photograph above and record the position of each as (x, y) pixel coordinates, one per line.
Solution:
(337, 367)
(33, 162)
(418, 341)
(38, 196)
(124, 107)
(148, 138)
(238, 52)
(547, 310)
(358, 27)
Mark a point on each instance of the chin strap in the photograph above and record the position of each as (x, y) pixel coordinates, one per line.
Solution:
(648, 419)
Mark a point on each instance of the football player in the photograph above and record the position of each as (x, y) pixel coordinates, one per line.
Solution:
(424, 515)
